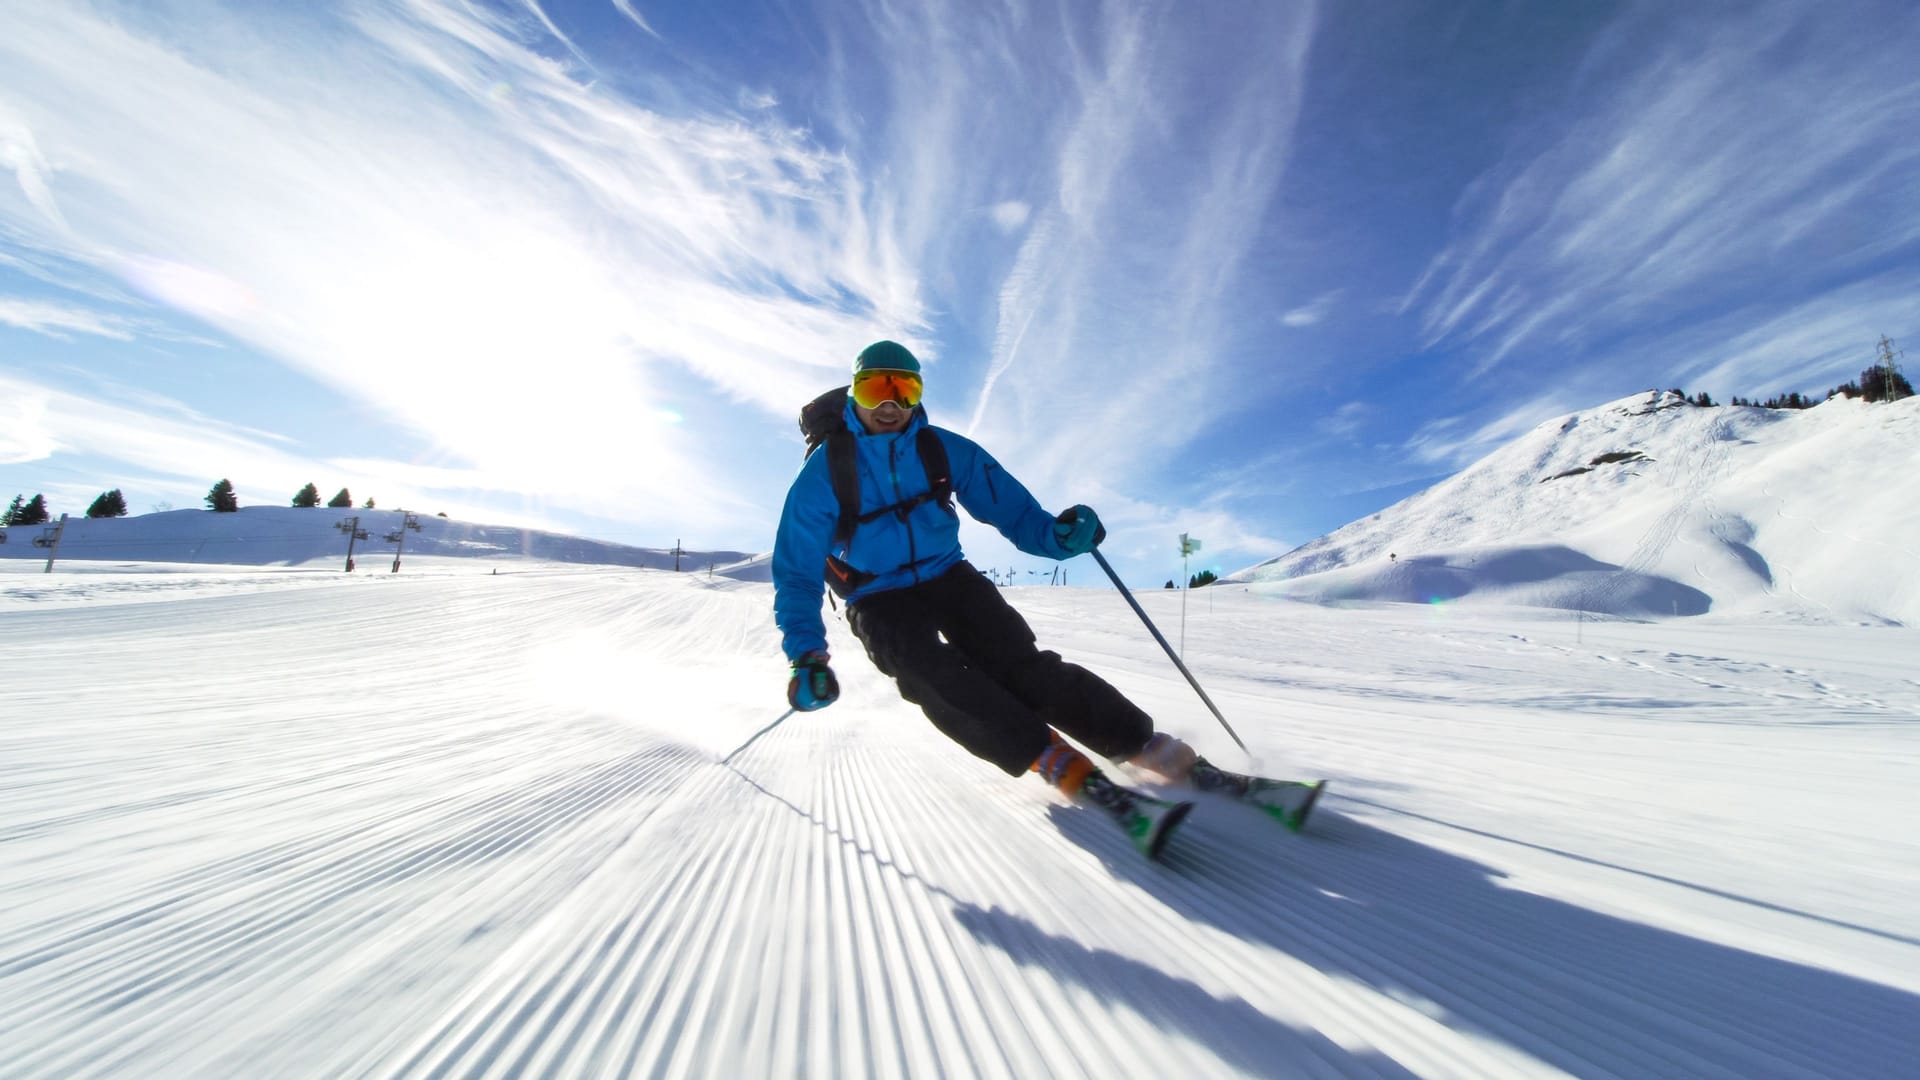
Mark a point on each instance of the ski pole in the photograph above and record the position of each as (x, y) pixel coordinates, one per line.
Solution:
(757, 734)
(1171, 655)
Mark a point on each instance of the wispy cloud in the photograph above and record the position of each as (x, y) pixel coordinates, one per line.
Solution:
(420, 206)
(165, 436)
(1346, 420)
(180, 450)
(1309, 314)
(1010, 215)
(625, 7)
(438, 210)
(20, 154)
(1139, 233)
(58, 320)
(1810, 347)
(1738, 153)
(1453, 442)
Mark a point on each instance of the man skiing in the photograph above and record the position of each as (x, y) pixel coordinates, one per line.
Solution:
(940, 629)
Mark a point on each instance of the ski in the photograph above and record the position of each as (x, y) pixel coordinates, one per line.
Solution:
(1290, 802)
(1152, 821)
(1148, 821)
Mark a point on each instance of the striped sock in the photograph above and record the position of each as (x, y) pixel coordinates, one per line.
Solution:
(1063, 766)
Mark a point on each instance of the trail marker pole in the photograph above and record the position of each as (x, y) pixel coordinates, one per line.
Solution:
(1188, 546)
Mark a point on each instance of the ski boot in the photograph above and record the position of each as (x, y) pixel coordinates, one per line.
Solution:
(1148, 821)
(1290, 802)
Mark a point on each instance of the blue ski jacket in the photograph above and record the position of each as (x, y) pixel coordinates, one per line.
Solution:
(899, 551)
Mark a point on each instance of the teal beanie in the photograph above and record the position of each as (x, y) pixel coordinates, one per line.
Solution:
(886, 355)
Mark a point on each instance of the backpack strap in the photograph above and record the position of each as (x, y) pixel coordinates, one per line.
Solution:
(844, 470)
(933, 458)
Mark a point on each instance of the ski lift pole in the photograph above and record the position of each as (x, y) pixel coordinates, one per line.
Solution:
(1171, 655)
(757, 734)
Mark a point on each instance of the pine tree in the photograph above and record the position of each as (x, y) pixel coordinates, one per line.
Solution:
(341, 500)
(307, 497)
(110, 504)
(13, 510)
(369, 503)
(1202, 579)
(34, 513)
(221, 499)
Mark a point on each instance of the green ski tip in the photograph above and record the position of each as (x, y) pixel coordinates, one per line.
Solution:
(1151, 827)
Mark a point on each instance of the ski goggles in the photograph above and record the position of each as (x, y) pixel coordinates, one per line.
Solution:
(874, 388)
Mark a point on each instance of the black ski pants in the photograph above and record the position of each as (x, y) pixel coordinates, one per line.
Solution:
(967, 658)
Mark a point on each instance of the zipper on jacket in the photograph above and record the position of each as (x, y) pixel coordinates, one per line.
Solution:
(906, 519)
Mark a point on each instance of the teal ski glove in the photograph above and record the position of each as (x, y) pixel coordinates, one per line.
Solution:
(812, 685)
(1078, 530)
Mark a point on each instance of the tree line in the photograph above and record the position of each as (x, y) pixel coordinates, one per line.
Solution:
(221, 498)
(309, 497)
(25, 511)
(1882, 382)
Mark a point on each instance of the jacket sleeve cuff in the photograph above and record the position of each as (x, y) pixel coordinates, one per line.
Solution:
(797, 645)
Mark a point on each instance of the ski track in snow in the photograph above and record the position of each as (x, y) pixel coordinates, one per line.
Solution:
(458, 826)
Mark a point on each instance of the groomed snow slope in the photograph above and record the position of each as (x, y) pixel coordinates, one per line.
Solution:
(1648, 506)
(440, 824)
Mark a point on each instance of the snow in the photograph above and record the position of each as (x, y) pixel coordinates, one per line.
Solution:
(315, 539)
(265, 818)
(1759, 513)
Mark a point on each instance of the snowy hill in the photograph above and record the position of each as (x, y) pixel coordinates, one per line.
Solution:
(444, 823)
(1649, 506)
(313, 538)
(262, 818)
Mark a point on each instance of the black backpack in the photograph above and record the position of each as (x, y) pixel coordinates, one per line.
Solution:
(824, 422)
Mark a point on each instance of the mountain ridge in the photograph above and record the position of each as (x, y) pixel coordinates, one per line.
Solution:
(1649, 506)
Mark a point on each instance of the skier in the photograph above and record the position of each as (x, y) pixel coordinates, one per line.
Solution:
(941, 630)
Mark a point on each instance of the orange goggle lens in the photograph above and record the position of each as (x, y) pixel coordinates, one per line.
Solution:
(871, 389)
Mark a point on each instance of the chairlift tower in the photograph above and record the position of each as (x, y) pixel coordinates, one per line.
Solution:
(50, 538)
(1889, 363)
(351, 526)
(399, 537)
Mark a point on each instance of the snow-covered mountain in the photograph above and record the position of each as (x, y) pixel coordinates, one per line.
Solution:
(1650, 506)
(315, 538)
(262, 818)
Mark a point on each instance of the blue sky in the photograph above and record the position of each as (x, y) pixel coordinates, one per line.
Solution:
(1243, 270)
